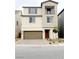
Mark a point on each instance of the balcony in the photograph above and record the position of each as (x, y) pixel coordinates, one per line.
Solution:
(49, 10)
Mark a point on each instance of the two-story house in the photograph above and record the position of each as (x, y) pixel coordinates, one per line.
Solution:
(39, 22)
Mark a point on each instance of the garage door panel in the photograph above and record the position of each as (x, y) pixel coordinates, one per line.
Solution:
(33, 35)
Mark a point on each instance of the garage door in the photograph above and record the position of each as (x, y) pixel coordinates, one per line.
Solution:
(32, 34)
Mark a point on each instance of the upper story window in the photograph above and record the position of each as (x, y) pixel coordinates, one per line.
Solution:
(32, 10)
(31, 19)
(49, 19)
(49, 10)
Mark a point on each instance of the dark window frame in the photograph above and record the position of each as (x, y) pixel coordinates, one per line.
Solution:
(31, 19)
(49, 19)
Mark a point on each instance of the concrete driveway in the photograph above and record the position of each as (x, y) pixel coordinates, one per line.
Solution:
(32, 41)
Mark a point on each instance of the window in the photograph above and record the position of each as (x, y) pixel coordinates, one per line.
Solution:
(48, 11)
(31, 19)
(17, 23)
(32, 10)
(49, 19)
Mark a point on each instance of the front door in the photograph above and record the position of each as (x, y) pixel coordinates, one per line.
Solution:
(46, 34)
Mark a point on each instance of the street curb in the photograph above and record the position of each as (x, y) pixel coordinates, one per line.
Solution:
(32, 45)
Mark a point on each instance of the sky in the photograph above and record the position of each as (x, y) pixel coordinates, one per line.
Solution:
(20, 3)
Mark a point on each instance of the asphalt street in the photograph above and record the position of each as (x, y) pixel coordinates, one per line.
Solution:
(39, 52)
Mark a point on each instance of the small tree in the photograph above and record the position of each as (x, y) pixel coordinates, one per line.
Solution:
(55, 30)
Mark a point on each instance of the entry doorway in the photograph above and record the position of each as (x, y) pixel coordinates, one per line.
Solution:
(46, 34)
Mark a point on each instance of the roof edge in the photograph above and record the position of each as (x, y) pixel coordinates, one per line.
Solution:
(49, 1)
(61, 12)
(18, 10)
(31, 7)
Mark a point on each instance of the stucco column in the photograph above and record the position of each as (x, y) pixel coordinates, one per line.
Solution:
(51, 34)
(55, 35)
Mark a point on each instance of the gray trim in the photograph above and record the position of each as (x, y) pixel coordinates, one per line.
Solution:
(49, 27)
(30, 7)
(31, 15)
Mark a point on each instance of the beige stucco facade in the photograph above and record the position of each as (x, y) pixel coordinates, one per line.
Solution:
(17, 22)
(40, 20)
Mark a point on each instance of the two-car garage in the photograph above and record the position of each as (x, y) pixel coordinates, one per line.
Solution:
(32, 34)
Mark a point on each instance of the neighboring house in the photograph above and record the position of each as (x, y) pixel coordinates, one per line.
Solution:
(39, 22)
(61, 24)
(17, 23)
